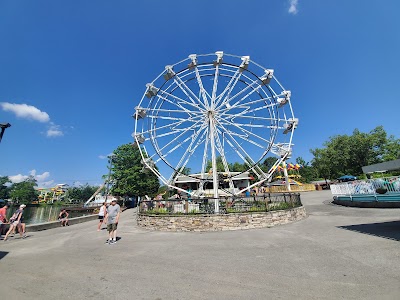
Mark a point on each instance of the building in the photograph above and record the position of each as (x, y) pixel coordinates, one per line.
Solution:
(202, 184)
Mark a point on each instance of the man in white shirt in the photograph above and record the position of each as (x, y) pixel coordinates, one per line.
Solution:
(113, 212)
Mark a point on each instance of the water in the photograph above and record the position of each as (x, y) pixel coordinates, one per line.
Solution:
(41, 214)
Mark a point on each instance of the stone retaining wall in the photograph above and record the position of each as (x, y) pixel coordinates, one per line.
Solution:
(232, 221)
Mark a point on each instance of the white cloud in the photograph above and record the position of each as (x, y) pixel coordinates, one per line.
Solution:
(46, 183)
(293, 7)
(102, 156)
(40, 178)
(26, 111)
(54, 130)
(18, 178)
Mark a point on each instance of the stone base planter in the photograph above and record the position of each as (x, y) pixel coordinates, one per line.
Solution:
(232, 221)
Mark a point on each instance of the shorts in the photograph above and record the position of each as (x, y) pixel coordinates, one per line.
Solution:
(112, 227)
(101, 217)
(15, 223)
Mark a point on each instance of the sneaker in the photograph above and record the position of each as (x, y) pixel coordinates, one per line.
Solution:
(112, 242)
(108, 242)
(24, 236)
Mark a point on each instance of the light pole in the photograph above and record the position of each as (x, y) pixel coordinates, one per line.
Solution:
(3, 127)
(110, 160)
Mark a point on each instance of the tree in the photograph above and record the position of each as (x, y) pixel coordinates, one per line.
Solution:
(24, 192)
(307, 172)
(81, 193)
(268, 163)
(129, 178)
(4, 190)
(345, 154)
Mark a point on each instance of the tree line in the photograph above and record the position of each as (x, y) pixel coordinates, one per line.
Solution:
(26, 191)
(340, 155)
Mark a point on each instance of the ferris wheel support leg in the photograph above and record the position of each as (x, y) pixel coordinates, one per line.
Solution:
(285, 173)
(214, 163)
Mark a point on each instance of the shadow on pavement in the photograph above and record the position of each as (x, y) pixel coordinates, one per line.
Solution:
(2, 254)
(387, 230)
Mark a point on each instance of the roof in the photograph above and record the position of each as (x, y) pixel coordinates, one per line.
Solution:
(197, 177)
(382, 167)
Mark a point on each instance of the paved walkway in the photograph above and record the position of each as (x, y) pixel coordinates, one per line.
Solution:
(336, 253)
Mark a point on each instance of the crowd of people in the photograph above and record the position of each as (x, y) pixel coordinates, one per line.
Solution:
(108, 214)
(16, 222)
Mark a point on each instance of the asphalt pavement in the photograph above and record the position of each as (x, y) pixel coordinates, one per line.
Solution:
(335, 253)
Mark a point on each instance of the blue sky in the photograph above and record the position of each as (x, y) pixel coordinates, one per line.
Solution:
(71, 72)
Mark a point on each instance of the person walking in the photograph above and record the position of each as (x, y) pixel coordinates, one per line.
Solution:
(3, 219)
(102, 215)
(113, 213)
(16, 222)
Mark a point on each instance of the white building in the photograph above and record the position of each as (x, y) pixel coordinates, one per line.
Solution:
(202, 184)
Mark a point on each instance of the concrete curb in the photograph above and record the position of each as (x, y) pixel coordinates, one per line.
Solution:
(56, 224)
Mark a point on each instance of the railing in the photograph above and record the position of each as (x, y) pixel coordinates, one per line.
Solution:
(387, 185)
(259, 203)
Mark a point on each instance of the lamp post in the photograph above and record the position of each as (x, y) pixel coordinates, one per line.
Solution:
(3, 127)
(110, 160)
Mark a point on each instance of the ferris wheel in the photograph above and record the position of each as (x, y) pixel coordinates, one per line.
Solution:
(209, 112)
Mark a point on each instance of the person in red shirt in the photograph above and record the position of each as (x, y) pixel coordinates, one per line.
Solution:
(3, 218)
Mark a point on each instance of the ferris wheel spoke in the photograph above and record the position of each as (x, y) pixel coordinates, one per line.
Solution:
(238, 116)
(203, 92)
(175, 130)
(249, 86)
(246, 96)
(249, 133)
(189, 151)
(175, 139)
(215, 87)
(229, 87)
(204, 162)
(260, 101)
(174, 148)
(164, 126)
(187, 91)
(221, 151)
(246, 110)
(240, 151)
(167, 118)
(180, 101)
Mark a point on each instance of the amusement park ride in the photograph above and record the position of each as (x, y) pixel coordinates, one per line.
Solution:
(50, 195)
(213, 105)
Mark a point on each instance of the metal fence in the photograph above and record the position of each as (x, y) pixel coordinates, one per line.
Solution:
(259, 203)
(387, 185)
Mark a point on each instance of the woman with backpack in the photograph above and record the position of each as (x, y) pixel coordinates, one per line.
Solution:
(16, 222)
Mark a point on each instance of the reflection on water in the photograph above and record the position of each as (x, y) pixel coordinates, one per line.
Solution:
(41, 214)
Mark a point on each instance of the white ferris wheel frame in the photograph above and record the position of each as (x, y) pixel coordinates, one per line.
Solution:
(212, 116)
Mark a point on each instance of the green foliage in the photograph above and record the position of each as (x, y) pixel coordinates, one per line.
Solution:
(157, 211)
(4, 190)
(129, 179)
(307, 172)
(269, 162)
(24, 192)
(280, 206)
(345, 154)
(81, 193)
